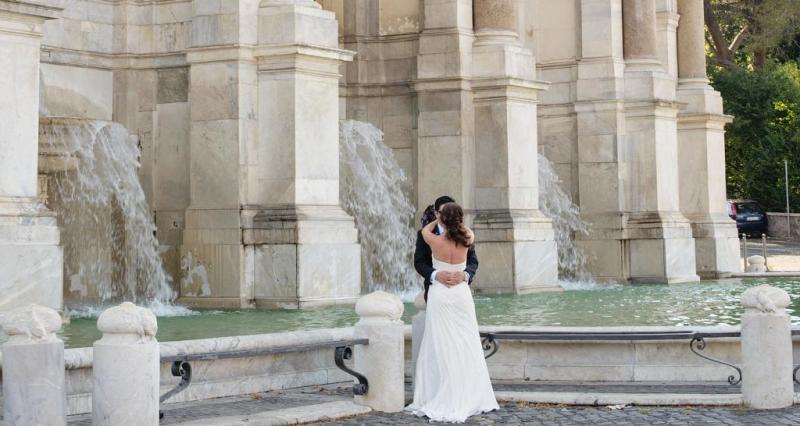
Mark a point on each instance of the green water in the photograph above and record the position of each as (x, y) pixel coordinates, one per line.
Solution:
(704, 303)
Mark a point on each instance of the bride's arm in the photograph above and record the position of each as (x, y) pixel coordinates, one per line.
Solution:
(427, 232)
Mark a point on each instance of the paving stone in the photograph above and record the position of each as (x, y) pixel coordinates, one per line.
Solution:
(510, 413)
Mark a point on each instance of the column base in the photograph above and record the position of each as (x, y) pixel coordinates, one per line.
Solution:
(517, 252)
(640, 248)
(660, 248)
(717, 247)
(288, 257)
(31, 260)
(302, 256)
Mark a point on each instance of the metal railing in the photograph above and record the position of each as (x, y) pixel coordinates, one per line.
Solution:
(343, 350)
(697, 342)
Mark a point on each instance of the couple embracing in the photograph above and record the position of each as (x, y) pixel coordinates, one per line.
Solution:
(451, 379)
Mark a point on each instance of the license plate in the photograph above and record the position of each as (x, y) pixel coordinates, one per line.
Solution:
(753, 219)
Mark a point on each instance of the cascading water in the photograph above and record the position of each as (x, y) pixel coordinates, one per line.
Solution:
(556, 205)
(373, 189)
(107, 231)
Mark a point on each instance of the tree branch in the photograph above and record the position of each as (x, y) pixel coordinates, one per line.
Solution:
(722, 53)
(737, 41)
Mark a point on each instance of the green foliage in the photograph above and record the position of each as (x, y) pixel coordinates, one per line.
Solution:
(765, 131)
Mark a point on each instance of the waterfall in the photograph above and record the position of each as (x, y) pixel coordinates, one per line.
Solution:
(374, 190)
(556, 205)
(107, 230)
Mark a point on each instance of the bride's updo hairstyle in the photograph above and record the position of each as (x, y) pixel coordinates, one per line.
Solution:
(452, 218)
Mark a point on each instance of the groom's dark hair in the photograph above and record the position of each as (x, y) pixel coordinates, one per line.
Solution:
(444, 199)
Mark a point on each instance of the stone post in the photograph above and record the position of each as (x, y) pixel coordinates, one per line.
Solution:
(701, 151)
(304, 246)
(660, 246)
(126, 368)
(30, 258)
(516, 241)
(417, 331)
(383, 360)
(766, 349)
(33, 368)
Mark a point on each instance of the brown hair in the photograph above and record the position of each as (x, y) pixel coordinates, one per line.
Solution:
(452, 218)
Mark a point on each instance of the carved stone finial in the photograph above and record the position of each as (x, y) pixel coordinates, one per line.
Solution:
(32, 323)
(128, 318)
(380, 305)
(766, 299)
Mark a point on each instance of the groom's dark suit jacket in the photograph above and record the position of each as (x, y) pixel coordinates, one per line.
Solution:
(423, 260)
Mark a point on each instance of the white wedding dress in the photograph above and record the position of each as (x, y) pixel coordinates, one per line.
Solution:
(452, 381)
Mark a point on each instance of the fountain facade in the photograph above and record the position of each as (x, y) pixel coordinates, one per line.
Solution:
(235, 106)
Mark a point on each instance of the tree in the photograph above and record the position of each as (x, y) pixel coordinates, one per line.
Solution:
(748, 32)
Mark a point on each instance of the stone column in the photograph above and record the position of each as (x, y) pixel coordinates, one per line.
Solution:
(33, 368)
(382, 360)
(31, 266)
(516, 245)
(691, 41)
(600, 115)
(126, 368)
(445, 120)
(217, 268)
(639, 34)
(701, 151)
(666, 33)
(660, 247)
(495, 15)
(766, 349)
(305, 249)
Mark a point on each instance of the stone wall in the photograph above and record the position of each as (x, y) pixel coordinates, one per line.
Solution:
(778, 225)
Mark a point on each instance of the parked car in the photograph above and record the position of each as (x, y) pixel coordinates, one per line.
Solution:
(750, 217)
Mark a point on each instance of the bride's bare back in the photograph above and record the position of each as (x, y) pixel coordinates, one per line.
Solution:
(445, 249)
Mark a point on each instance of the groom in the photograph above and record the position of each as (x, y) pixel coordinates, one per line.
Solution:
(423, 259)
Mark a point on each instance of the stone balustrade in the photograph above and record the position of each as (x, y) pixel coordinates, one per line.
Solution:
(33, 376)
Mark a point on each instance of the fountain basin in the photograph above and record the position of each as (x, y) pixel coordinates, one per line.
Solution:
(707, 303)
(710, 306)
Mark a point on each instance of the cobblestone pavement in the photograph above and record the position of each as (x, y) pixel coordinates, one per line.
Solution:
(239, 405)
(526, 414)
(510, 413)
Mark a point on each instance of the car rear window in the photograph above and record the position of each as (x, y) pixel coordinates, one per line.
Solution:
(748, 208)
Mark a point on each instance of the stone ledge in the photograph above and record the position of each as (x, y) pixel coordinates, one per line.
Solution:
(289, 416)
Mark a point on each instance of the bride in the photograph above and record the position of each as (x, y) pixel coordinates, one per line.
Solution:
(452, 381)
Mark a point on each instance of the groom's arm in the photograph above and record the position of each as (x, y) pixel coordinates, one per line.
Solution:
(472, 263)
(423, 262)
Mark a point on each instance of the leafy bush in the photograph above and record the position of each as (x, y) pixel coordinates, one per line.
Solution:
(765, 131)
